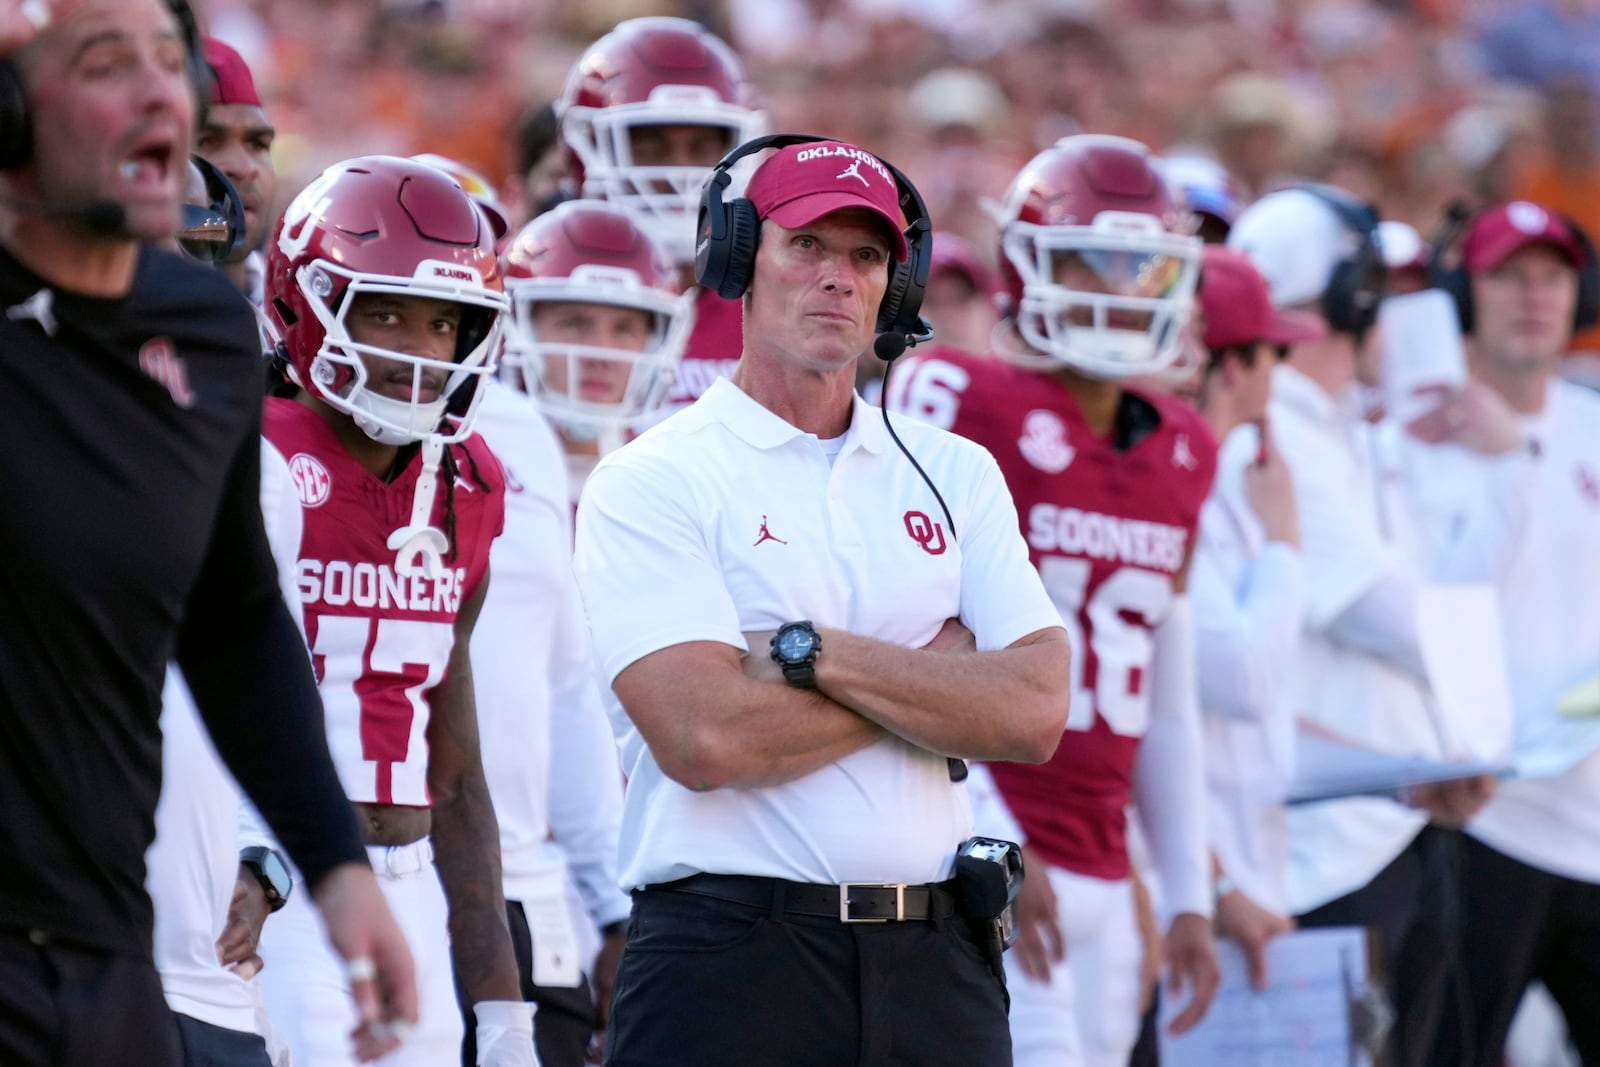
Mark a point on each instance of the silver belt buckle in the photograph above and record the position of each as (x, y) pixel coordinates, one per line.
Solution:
(844, 901)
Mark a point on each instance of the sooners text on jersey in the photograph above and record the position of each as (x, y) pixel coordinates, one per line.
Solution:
(380, 640)
(1109, 531)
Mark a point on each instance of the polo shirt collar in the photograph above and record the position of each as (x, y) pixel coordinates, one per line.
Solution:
(758, 427)
(1300, 394)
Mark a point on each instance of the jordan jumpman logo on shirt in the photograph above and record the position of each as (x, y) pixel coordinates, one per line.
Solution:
(766, 534)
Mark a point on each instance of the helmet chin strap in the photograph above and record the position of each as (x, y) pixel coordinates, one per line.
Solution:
(578, 431)
(420, 546)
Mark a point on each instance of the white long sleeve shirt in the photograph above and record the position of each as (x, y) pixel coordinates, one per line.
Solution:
(1248, 596)
(1549, 583)
(1348, 547)
(547, 751)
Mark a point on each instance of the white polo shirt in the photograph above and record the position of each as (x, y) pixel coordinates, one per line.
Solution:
(726, 519)
(547, 748)
(1349, 543)
(1550, 611)
(1248, 602)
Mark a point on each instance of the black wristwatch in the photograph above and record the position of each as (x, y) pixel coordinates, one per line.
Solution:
(795, 647)
(271, 871)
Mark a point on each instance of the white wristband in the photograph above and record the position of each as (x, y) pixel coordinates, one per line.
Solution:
(505, 1033)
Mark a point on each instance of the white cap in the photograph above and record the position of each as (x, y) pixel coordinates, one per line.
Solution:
(957, 96)
(1295, 239)
(1402, 246)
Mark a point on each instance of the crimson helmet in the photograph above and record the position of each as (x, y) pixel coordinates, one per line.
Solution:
(380, 224)
(1097, 258)
(654, 71)
(591, 252)
(476, 186)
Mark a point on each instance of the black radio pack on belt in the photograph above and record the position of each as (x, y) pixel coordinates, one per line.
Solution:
(988, 876)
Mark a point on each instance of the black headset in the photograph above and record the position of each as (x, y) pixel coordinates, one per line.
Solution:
(729, 232)
(16, 124)
(1458, 283)
(1356, 286)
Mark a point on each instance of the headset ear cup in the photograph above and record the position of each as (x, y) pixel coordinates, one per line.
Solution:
(1458, 284)
(894, 298)
(16, 130)
(1586, 310)
(1337, 303)
(908, 284)
(739, 256)
(1586, 313)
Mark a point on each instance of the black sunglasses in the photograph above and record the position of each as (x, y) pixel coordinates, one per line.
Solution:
(213, 231)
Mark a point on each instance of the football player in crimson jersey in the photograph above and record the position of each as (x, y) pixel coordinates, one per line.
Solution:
(597, 327)
(384, 292)
(1100, 272)
(647, 113)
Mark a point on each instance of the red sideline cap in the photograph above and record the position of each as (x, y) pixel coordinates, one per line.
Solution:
(798, 185)
(1499, 232)
(1238, 308)
(231, 83)
(955, 253)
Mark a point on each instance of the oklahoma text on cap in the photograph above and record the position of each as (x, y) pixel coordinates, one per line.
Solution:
(800, 184)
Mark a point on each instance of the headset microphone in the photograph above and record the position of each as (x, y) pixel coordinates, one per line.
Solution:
(892, 344)
(105, 218)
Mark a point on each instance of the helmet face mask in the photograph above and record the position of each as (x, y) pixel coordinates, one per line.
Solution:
(342, 373)
(592, 255)
(1100, 268)
(652, 72)
(384, 227)
(1110, 298)
(553, 372)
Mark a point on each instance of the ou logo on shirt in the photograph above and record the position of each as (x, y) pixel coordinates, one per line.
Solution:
(311, 479)
(925, 532)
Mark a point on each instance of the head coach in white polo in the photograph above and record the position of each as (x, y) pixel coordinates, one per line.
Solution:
(772, 806)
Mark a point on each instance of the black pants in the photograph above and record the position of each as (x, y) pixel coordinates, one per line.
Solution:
(566, 1017)
(1525, 925)
(206, 1045)
(1147, 1050)
(1411, 909)
(710, 983)
(62, 1006)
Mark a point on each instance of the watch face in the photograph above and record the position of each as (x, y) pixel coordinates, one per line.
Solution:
(276, 873)
(794, 645)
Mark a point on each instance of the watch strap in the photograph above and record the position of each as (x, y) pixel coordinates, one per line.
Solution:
(802, 675)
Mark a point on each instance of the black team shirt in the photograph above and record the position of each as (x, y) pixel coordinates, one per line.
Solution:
(131, 535)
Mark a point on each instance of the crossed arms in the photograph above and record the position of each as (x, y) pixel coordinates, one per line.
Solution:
(715, 718)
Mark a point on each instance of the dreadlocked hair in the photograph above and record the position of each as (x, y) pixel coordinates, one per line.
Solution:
(452, 471)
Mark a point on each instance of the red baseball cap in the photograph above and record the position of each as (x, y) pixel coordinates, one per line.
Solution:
(1509, 228)
(798, 185)
(231, 82)
(1238, 308)
(956, 254)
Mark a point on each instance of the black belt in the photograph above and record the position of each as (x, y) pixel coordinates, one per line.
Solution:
(852, 902)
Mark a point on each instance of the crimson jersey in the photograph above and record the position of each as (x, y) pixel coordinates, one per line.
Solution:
(1109, 529)
(713, 349)
(380, 640)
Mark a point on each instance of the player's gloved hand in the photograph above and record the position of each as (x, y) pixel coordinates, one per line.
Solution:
(505, 1033)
